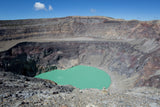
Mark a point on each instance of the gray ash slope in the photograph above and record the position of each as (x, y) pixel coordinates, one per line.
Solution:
(127, 50)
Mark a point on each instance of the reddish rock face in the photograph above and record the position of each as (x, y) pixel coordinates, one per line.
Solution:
(152, 82)
(152, 66)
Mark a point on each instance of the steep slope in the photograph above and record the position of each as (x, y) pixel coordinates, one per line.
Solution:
(100, 27)
(122, 58)
(69, 27)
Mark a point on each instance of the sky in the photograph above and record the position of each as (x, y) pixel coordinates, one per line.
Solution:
(121, 9)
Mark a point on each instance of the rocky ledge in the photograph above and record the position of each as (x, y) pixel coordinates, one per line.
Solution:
(21, 91)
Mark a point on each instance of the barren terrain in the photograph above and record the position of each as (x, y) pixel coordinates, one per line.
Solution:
(129, 51)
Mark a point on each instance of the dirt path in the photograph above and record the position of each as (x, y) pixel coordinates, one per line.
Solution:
(5, 45)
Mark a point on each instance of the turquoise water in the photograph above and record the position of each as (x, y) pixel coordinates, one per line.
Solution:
(79, 76)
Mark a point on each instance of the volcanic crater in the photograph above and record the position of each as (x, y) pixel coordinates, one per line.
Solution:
(129, 51)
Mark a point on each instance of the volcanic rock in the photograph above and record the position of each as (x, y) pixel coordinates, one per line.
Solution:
(129, 51)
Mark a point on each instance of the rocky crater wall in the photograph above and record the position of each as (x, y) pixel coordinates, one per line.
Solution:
(30, 59)
(129, 51)
(97, 27)
(127, 48)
